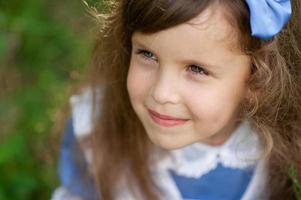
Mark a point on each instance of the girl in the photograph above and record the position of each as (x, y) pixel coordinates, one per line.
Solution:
(194, 99)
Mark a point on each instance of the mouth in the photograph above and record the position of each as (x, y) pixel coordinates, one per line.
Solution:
(164, 120)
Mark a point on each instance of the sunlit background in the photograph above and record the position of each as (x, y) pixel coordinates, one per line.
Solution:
(44, 49)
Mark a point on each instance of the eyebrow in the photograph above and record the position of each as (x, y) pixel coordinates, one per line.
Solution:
(141, 45)
(182, 61)
(201, 63)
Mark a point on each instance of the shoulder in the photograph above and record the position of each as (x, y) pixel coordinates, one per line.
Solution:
(82, 110)
(257, 188)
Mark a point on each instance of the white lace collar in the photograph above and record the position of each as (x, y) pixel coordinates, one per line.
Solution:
(241, 150)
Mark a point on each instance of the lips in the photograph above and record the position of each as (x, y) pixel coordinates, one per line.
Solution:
(166, 120)
(166, 117)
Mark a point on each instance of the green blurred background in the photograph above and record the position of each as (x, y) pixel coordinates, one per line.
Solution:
(45, 47)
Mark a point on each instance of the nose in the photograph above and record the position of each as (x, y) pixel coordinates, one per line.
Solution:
(166, 88)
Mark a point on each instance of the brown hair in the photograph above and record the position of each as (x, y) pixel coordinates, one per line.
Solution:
(120, 142)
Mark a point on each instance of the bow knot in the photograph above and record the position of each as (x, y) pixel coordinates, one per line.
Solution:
(268, 17)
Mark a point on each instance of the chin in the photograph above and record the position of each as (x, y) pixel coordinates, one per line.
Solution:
(170, 146)
(168, 143)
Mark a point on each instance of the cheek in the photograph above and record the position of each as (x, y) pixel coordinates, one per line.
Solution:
(137, 83)
(214, 107)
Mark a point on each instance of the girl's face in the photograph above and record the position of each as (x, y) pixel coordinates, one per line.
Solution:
(186, 83)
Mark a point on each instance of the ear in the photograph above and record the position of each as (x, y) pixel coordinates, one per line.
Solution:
(252, 98)
(249, 95)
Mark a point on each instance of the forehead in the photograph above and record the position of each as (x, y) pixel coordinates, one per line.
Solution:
(209, 29)
(213, 23)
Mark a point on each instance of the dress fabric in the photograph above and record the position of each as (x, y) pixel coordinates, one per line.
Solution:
(220, 184)
(73, 166)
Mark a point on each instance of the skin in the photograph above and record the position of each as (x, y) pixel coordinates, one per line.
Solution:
(192, 71)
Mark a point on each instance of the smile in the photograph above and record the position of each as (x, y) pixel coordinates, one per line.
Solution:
(164, 120)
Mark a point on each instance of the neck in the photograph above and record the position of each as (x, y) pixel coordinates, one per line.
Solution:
(222, 136)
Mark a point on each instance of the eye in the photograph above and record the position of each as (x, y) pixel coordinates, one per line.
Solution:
(197, 70)
(146, 54)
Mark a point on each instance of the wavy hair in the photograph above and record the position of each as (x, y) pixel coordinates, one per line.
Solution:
(120, 144)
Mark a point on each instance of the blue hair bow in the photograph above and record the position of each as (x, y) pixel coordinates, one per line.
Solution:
(268, 17)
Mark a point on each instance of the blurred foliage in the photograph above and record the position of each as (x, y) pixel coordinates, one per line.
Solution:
(296, 181)
(44, 47)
